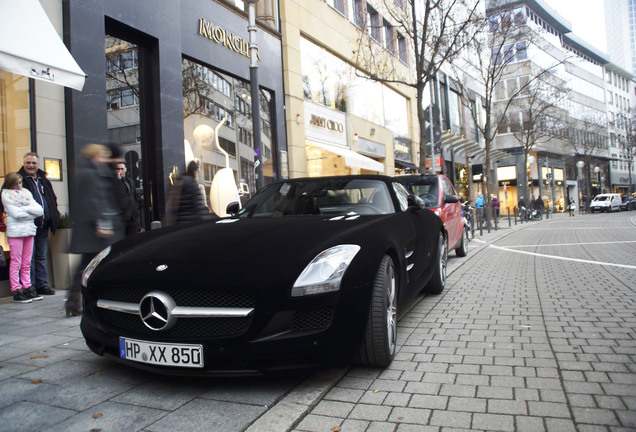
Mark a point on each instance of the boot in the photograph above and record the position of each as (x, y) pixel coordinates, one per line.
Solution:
(73, 304)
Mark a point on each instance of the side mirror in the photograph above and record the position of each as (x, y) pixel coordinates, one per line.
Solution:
(415, 202)
(451, 199)
(233, 208)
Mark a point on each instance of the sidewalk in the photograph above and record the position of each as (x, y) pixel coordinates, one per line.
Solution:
(49, 379)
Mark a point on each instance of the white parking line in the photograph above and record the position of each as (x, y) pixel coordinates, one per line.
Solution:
(573, 244)
(564, 258)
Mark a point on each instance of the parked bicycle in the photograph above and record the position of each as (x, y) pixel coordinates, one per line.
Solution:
(469, 226)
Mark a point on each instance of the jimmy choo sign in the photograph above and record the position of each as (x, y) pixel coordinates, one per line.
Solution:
(326, 123)
(224, 37)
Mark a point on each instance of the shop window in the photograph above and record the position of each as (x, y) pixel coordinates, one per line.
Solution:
(211, 95)
(15, 126)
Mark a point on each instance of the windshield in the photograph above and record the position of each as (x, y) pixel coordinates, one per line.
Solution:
(425, 188)
(331, 197)
(601, 198)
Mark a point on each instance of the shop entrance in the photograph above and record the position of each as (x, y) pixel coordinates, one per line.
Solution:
(128, 105)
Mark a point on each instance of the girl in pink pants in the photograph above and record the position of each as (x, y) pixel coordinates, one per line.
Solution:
(21, 210)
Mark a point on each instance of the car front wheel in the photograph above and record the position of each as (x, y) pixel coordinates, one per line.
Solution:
(438, 281)
(380, 338)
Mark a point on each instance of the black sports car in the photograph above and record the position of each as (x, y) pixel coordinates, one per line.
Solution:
(311, 272)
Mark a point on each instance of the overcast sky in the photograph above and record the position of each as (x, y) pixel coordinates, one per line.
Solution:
(587, 18)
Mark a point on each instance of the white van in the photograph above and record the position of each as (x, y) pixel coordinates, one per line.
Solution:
(606, 202)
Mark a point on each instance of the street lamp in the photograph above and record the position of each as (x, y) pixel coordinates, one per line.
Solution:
(254, 87)
(597, 170)
(580, 164)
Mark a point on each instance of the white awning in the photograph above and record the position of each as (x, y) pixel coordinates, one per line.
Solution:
(30, 46)
(352, 158)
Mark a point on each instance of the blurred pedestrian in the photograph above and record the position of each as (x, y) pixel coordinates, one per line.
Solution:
(97, 217)
(34, 179)
(125, 189)
(192, 204)
(571, 207)
(539, 205)
(495, 205)
(21, 210)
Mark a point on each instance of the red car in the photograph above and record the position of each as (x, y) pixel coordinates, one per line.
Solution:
(440, 196)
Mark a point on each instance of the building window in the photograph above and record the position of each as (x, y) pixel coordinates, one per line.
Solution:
(338, 5)
(389, 37)
(375, 24)
(522, 50)
(402, 47)
(358, 13)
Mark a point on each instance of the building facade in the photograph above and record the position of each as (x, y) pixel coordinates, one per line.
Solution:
(161, 76)
(338, 120)
(563, 73)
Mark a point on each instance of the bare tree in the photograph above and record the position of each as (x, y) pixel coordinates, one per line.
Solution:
(499, 54)
(587, 139)
(536, 115)
(425, 35)
(627, 148)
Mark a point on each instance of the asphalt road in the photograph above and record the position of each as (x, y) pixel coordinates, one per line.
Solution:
(535, 331)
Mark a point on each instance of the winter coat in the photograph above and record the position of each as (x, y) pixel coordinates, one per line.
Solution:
(21, 210)
(49, 195)
(191, 205)
(479, 202)
(125, 190)
(95, 207)
(495, 203)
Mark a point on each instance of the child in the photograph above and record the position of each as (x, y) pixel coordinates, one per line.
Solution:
(21, 210)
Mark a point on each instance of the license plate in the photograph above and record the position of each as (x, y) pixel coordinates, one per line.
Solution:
(164, 354)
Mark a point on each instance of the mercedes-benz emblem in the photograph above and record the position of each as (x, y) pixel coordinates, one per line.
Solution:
(155, 310)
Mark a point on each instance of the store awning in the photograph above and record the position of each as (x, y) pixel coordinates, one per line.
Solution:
(352, 158)
(30, 46)
(403, 164)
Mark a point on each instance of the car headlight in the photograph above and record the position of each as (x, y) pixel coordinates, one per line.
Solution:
(324, 273)
(93, 265)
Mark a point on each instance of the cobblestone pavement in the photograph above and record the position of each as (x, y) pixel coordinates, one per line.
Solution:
(534, 333)
(518, 341)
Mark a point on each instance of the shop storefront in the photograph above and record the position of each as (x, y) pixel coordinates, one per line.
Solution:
(176, 87)
(328, 151)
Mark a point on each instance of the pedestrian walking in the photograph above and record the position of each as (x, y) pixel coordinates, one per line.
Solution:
(34, 179)
(21, 210)
(191, 205)
(571, 207)
(495, 205)
(98, 221)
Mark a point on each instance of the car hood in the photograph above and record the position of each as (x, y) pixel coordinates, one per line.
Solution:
(266, 241)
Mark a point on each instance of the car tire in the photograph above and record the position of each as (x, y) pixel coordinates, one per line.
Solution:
(380, 337)
(462, 250)
(438, 282)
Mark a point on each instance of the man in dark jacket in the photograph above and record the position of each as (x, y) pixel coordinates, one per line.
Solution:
(34, 179)
(125, 189)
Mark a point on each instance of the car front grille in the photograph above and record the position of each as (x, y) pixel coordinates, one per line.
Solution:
(185, 328)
